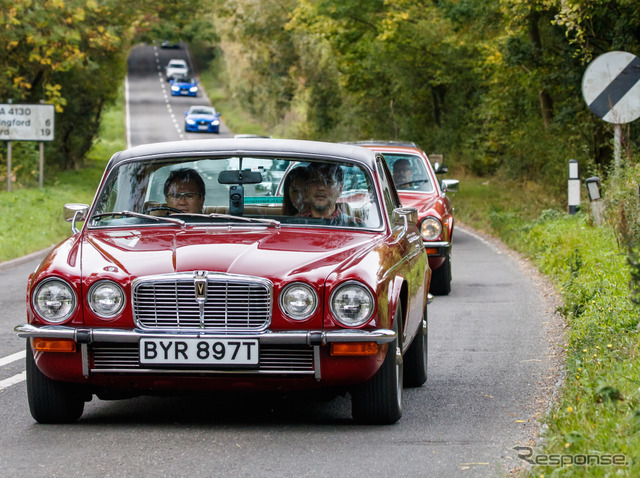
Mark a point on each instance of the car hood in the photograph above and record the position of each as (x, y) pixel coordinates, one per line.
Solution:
(420, 200)
(272, 253)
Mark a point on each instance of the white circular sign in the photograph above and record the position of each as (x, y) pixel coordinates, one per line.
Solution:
(611, 87)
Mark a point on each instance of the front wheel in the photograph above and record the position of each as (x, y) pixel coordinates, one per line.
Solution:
(51, 401)
(379, 401)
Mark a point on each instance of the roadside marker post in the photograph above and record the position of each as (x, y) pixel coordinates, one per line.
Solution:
(574, 187)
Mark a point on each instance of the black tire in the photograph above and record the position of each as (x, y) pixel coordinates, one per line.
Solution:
(441, 278)
(51, 401)
(379, 401)
(415, 360)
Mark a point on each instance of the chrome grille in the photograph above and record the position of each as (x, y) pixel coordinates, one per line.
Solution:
(231, 304)
(294, 359)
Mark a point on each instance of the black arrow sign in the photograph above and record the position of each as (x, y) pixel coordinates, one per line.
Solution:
(619, 87)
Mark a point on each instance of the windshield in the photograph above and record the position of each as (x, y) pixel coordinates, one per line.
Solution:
(409, 172)
(237, 190)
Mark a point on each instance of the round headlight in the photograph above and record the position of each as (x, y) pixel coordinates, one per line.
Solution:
(352, 304)
(430, 228)
(54, 300)
(298, 301)
(106, 299)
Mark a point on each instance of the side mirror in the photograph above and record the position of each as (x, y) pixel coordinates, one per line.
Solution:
(450, 185)
(405, 215)
(75, 211)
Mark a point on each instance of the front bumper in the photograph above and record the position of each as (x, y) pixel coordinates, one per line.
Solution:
(108, 350)
(88, 335)
(437, 248)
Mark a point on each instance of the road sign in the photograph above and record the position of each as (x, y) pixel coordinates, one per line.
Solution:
(611, 87)
(26, 122)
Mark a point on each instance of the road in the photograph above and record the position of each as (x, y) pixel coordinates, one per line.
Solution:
(491, 368)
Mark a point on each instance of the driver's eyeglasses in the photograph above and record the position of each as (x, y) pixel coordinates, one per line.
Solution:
(187, 196)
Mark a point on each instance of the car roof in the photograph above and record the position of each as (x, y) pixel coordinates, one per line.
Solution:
(376, 142)
(289, 148)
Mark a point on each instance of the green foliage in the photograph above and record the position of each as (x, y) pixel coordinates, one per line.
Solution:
(72, 54)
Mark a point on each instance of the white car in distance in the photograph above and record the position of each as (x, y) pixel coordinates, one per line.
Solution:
(176, 68)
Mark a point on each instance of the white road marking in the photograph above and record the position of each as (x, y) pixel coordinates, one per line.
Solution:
(21, 377)
(12, 358)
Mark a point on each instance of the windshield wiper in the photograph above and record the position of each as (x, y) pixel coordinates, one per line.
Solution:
(172, 220)
(413, 181)
(268, 222)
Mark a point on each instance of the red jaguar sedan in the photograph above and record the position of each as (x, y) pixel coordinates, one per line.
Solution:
(418, 187)
(187, 274)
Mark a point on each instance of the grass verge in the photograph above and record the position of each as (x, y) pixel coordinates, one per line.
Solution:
(596, 419)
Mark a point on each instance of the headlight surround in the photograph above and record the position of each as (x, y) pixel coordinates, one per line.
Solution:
(298, 301)
(190, 121)
(215, 122)
(193, 89)
(430, 228)
(54, 300)
(106, 299)
(175, 88)
(352, 304)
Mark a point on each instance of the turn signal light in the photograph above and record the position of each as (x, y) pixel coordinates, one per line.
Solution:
(354, 349)
(54, 345)
(432, 250)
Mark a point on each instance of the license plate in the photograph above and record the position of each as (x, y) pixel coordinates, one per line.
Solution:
(191, 351)
(184, 92)
(203, 126)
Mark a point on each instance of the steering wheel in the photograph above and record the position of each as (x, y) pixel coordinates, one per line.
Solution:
(161, 208)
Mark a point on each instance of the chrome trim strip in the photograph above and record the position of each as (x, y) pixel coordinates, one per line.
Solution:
(186, 371)
(439, 244)
(303, 337)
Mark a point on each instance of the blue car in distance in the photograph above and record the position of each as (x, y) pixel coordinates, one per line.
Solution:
(203, 119)
(184, 86)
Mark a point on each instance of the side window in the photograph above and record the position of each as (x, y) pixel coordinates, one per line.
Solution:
(391, 198)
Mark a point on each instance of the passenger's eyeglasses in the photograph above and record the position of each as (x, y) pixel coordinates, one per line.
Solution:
(187, 196)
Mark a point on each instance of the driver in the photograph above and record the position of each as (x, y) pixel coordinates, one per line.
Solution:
(402, 173)
(184, 190)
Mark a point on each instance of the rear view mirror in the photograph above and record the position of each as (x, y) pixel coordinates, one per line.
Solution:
(245, 176)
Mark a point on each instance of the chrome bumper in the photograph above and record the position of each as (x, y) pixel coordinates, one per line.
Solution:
(85, 336)
(443, 247)
(88, 335)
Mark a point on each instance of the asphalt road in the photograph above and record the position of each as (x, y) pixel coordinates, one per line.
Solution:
(491, 364)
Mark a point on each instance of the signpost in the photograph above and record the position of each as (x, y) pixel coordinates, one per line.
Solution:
(611, 89)
(26, 123)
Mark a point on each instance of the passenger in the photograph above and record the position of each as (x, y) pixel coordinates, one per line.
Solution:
(402, 173)
(184, 189)
(293, 191)
(324, 186)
